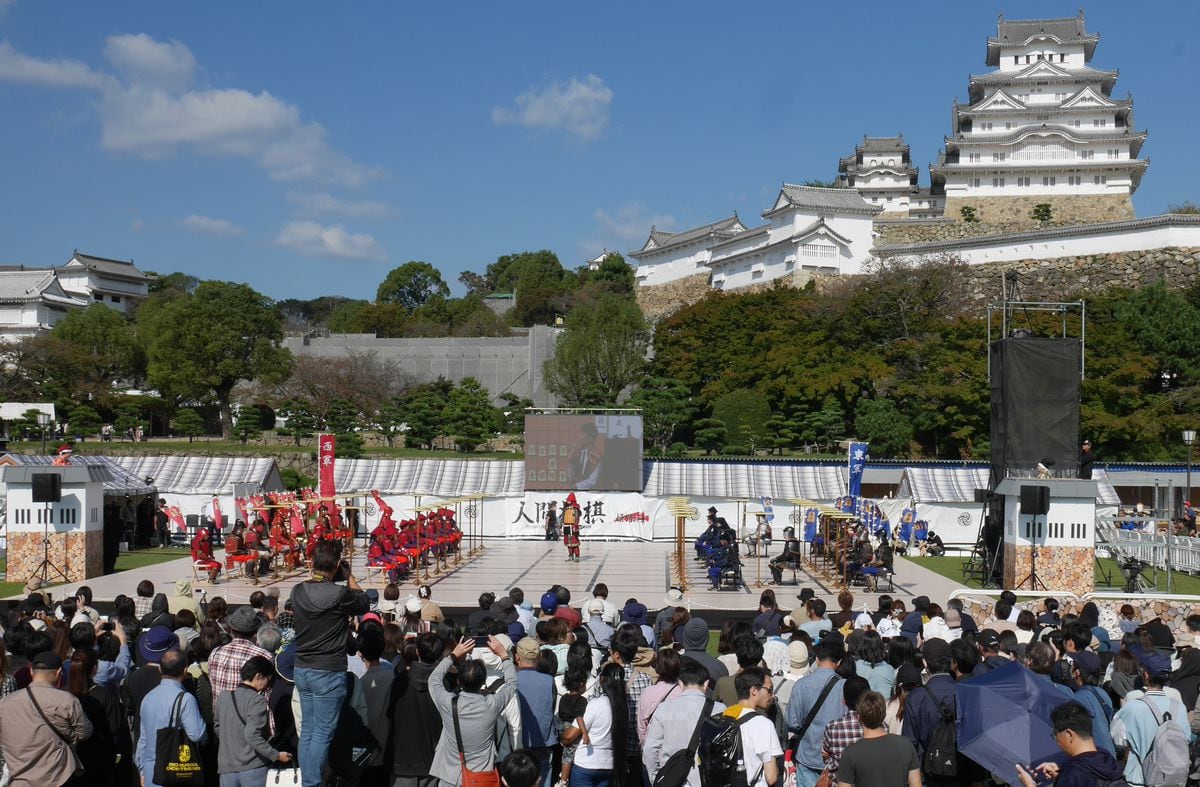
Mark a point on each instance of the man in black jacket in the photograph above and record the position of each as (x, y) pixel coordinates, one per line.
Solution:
(416, 724)
(322, 609)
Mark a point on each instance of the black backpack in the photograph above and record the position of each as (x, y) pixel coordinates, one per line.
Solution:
(722, 763)
(675, 771)
(941, 753)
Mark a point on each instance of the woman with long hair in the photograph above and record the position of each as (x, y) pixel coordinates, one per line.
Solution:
(98, 753)
(900, 651)
(908, 678)
(730, 631)
(679, 616)
(602, 734)
(667, 663)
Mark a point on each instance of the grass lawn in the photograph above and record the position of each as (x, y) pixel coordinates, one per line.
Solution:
(148, 557)
(951, 567)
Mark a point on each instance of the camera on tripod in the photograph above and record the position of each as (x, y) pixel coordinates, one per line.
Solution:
(1132, 569)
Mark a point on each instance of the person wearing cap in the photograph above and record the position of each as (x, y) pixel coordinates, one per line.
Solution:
(1136, 723)
(63, 457)
(1186, 673)
(151, 646)
(637, 614)
(35, 755)
(536, 695)
(156, 711)
(988, 642)
(322, 612)
(245, 752)
(225, 663)
(599, 632)
(1085, 679)
(1087, 459)
(611, 613)
(674, 598)
(797, 653)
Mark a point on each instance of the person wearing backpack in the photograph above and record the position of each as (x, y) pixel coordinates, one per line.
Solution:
(738, 747)
(1087, 766)
(816, 700)
(1154, 728)
(929, 718)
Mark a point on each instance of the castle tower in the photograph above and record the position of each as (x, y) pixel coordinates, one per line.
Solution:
(881, 170)
(1041, 128)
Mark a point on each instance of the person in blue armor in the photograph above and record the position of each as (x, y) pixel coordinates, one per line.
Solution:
(708, 538)
(724, 557)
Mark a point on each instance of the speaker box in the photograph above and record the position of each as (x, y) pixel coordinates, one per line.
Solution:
(47, 487)
(1035, 500)
(1034, 405)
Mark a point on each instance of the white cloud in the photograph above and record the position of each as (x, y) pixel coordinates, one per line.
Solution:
(144, 61)
(325, 204)
(137, 225)
(207, 225)
(62, 73)
(625, 229)
(580, 107)
(151, 111)
(317, 240)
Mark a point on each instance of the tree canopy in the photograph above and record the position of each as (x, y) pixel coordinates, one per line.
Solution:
(411, 285)
(602, 351)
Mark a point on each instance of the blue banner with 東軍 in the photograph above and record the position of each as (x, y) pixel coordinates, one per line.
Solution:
(810, 525)
(857, 461)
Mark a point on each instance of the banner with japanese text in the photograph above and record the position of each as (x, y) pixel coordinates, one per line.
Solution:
(857, 461)
(326, 456)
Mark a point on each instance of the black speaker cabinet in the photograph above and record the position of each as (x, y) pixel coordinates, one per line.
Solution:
(47, 487)
(1035, 500)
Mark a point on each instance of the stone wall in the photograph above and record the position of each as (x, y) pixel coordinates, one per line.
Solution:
(1063, 569)
(79, 555)
(1014, 213)
(662, 300)
(1068, 278)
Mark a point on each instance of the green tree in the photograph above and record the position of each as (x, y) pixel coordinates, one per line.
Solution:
(189, 423)
(200, 347)
(104, 348)
(881, 423)
(613, 274)
(184, 283)
(84, 421)
(390, 420)
(513, 412)
(469, 415)
(1042, 212)
(411, 285)
(709, 434)
(248, 424)
(298, 419)
(1187, 207)
(828, 424)
(423, 418)
(666, 404)
(350, 445)
(128, 419)
(523, 271)
(745, 414)
(601, 352)
(342, 416)
(294, 480)
(823, 184)
(969, 214)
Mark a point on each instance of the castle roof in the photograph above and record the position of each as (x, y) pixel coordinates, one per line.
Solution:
(1079, 135)
(821, 200)
(717, 230)
(26, 286)
(1019, 32)
(109, 267)
(1042, 73)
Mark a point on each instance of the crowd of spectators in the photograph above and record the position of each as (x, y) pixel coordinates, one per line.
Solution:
(565, 691)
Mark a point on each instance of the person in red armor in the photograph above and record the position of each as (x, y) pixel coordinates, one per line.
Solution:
(202, 555)
(570, 528)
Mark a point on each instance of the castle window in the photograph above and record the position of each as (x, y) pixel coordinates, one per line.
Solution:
(1087, 154)
(997, 183)
(1099, 180)
(1074, 180)
(1016, 59)
(1023, 182)
(1113, 153)
(1041, 58)
(975, 182)
(1048, 180)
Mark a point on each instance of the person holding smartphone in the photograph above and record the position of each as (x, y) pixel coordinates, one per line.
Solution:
(322, 609)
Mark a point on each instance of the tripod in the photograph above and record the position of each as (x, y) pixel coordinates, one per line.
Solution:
(1035, 582)
(45, 567)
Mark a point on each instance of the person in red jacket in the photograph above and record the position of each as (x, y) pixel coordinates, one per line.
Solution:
(202, 555)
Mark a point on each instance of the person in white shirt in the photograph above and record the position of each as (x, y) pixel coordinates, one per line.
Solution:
(760, 743)
(602, 732)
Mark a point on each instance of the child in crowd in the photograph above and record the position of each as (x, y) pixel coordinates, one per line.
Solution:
(570, 708)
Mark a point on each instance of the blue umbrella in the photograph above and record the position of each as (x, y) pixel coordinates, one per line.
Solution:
(1004, 719)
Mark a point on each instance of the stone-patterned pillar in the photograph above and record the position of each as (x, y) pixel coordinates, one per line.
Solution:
(69, 532)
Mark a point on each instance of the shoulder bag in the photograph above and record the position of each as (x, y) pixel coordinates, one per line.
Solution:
(176, 756)
(79, 769)
(470, 778)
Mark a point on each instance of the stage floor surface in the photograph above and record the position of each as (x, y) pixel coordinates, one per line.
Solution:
(631, 570)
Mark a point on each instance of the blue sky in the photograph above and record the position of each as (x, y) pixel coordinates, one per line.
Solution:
(308, 148)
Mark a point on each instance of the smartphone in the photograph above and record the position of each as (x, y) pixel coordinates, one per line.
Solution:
(481, 642)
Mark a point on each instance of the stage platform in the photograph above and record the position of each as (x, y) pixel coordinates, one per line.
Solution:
(631, 570)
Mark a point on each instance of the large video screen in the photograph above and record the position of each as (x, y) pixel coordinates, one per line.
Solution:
(581, 452)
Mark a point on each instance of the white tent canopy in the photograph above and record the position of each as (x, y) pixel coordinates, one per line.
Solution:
(443, 478)
(204, 475)
(118, 482)
(732, 480)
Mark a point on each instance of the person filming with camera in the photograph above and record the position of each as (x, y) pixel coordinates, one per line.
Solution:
(322, 609)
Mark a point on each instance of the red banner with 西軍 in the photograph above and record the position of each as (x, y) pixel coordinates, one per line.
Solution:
(326, 452)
